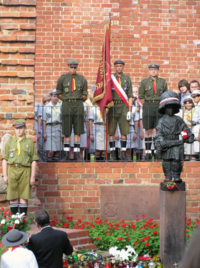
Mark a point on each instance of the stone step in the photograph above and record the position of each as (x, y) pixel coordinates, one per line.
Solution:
(78, 238)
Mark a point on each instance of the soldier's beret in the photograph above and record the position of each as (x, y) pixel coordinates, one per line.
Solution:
(72, 63)
(53, 92)
(154, 65)
(19, 123)
(119, 61)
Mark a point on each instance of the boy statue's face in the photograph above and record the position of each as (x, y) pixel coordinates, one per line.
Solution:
(170, 109)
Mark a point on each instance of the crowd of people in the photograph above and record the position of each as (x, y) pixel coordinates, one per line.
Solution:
(70, 128)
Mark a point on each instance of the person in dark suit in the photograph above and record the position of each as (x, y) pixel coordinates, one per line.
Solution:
(49, 244)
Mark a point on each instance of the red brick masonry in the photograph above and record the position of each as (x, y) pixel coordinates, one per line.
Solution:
(74, 188)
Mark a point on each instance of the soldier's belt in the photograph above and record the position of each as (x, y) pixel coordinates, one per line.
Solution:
(53, 124)
(118, 102)
(16, 165)
(71, 100)
(156, 101)
(100, 124)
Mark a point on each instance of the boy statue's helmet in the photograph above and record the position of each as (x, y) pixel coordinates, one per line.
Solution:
(169, 97)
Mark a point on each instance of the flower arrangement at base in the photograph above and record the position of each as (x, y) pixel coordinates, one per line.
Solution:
(128, 254)
(169, 185)
(9, 222)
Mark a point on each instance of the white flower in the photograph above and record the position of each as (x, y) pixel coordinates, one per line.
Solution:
(113, 250)
(16, 221)
(3, 221)
(14, 217)
(21, 215)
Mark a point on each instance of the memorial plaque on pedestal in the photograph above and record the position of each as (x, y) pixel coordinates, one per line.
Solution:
(125, 202)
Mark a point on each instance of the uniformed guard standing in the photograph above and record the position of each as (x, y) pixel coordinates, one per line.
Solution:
(150, 90)
(121, 111)
(72, 89)
(19, 167)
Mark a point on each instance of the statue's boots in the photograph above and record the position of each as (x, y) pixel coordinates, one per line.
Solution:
(176, 170)
(113, 156)
(167, 170)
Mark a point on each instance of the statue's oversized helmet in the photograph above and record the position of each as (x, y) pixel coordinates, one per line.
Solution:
(169, 97)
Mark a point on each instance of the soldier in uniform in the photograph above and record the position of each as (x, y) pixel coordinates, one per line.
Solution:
(72, 89)
(120, 113)
(19, 167)
(150, 90)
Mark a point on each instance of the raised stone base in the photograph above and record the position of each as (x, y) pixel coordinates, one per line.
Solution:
(172, 226)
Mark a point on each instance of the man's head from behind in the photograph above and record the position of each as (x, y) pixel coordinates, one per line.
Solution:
(41, 218)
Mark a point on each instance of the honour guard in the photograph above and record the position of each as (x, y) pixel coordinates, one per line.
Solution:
(19, 167)
(121, 111)
(72, 89)
(150, 90)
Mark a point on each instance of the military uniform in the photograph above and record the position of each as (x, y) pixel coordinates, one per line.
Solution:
(118, 113)
(72, 107)
(150, 107)
(19, 155)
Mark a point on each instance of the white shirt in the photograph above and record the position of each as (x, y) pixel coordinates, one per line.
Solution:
(19, 258)
(49, 113)
(134, 116)
(38, 112)
(95, 114)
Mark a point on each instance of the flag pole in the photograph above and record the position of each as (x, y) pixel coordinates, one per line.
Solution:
(109, 23)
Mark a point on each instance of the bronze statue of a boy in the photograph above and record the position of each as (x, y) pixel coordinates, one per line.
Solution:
(168, 141)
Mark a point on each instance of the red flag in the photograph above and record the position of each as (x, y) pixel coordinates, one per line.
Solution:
(103, 93)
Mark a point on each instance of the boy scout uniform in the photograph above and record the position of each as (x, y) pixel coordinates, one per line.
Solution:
(19, 155)
(118, 113)
(146, 92)
(72, 106)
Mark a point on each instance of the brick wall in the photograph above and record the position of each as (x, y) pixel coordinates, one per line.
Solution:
(143, 31)
(17, 61)
(74, 188)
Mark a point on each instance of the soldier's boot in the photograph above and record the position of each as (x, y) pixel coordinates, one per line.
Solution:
(113, 156)
(14, 208)
(124, 157)
(77, 157)
(66, 158)
(23, 208)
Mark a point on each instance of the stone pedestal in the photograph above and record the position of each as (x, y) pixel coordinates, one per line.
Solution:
(172, 226)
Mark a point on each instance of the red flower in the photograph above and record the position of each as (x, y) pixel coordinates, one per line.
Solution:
(116, 228)
(135, 243)
(147, 237)
(55, 221)
(79, 220)
(63, 213)
(128, 238)
(150, 219)
(23, 220)
(155, 232)
(124, 229)
(191, 227)
(98, 238)
(2, 209)
(142, 240)
(146, 244)
(9, 228)
(66, 225)
(184, 134)
(137, 219)
(97, 218)
(87, 222)
(60, 226)
(9, 213)
(136, 215)
(143, 216)
(120, 238)
(109, 233)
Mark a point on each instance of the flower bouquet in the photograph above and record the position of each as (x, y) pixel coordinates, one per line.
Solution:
(169, 185)
(18, 221)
